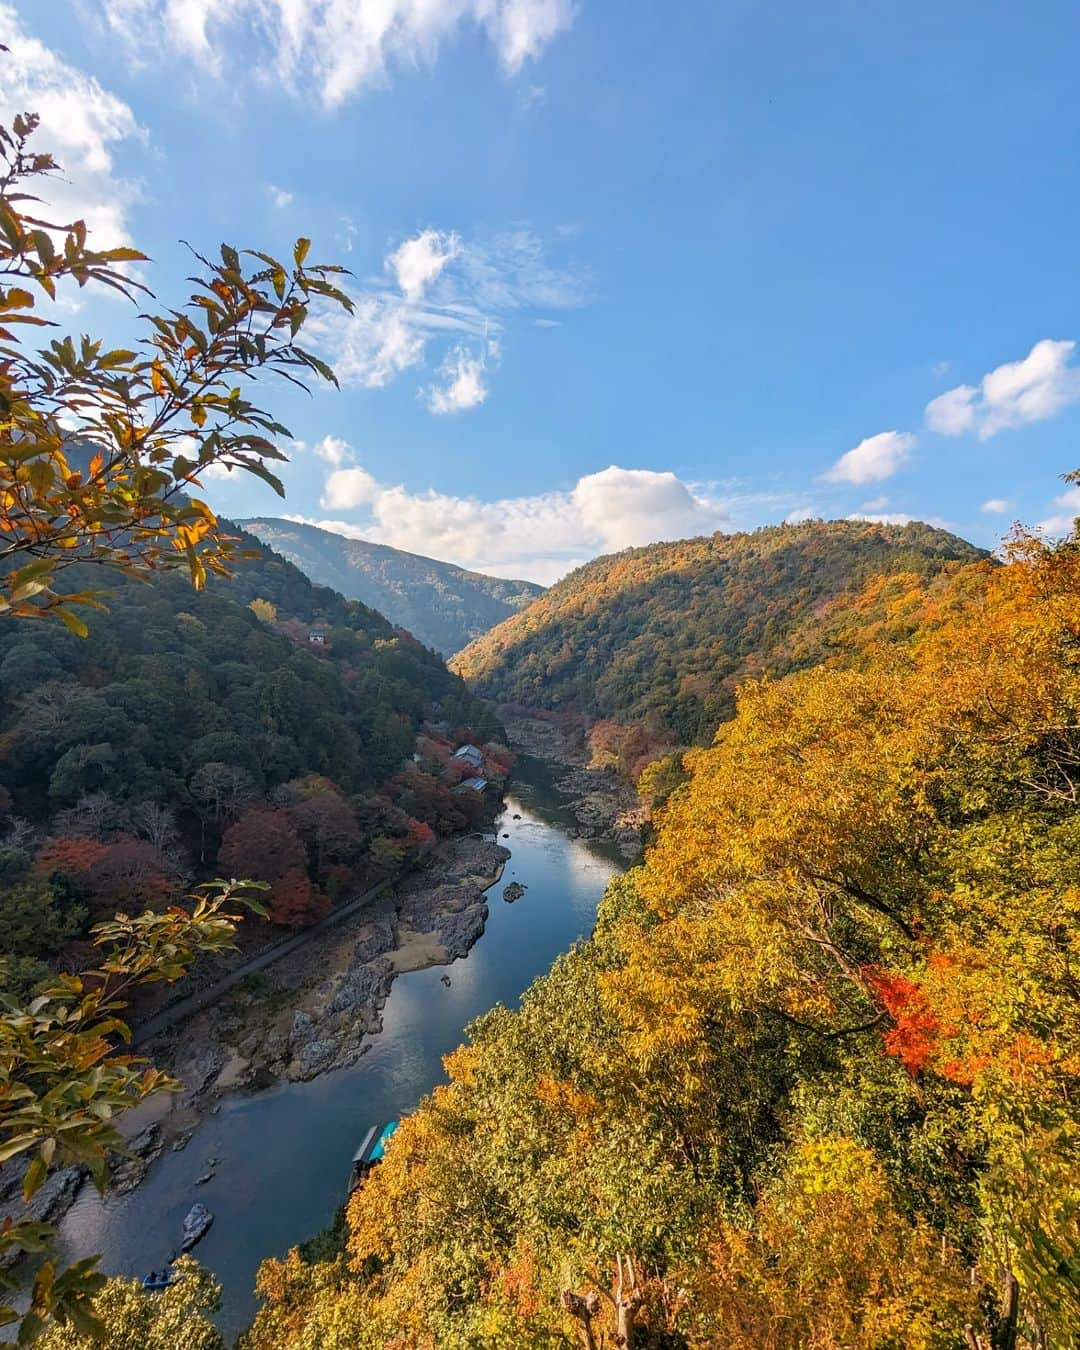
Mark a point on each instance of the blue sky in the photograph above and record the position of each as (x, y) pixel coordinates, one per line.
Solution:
(624, 271)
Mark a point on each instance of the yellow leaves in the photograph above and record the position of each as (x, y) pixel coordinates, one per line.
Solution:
(797, 1278)
(460, 1064)
(563, 1097)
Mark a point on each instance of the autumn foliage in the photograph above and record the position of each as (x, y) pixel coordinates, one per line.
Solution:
(814, 1079)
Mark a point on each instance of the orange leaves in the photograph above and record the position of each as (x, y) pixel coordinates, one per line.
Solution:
(915, 1031)
(76, 855)
(564, 1098)
(519, 1283)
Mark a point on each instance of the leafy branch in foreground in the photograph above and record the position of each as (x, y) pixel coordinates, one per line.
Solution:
(101, 450)
(100, 456)
(63, 1083)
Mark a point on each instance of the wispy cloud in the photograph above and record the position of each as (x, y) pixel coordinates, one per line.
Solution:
(464, 385)
(417, 262)
(995, 506)
(452, 295)
(1012, 395)
(336, 48)
(873, 459)
(1065, 510)
(82, 125)
(281, 197)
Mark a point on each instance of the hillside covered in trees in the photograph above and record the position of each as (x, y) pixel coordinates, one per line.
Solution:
(664, 634)
(814, 1079)
(443, 606)
(193, 733)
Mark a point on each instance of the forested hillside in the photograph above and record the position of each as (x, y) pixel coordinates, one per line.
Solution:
(193, 733)
(814, 1079)
(664, 634)
(444, 606)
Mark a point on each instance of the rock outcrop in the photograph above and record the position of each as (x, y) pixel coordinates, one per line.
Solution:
(196, 1225)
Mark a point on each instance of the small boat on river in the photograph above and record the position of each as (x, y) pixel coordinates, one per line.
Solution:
(370, 1153)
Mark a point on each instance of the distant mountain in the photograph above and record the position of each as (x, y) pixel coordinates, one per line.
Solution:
(665, 633)
(444, 606)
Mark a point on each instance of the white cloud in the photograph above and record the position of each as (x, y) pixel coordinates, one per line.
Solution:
(995, 506)
(465, 386)
(875, 504)
(335, 47)
(374, 344)
(1063, 521)
(540, 537)
(446, 292)
(952, 413)
(1012, 395)
(82, 126)
(800, 515)
(883, 517)
(333, 450)
(875, 458)
(417, 262)
(346, 489)
(510, 271)
(281, 197)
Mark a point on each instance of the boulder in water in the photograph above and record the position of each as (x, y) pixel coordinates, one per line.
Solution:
(514, 892)
(196, 1226)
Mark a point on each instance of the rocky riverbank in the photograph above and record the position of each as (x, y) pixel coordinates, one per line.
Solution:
(308, 1013)
(604, 806)
(313, 1011)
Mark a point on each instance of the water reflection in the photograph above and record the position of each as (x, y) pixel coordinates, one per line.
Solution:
(283, 1155)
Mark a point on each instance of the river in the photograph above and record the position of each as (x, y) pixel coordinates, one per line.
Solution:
(284, 1154)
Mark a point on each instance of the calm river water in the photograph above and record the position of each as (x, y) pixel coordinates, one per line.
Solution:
(284, 1154)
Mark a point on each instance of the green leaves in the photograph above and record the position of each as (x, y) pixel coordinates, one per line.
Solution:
(64, 1085)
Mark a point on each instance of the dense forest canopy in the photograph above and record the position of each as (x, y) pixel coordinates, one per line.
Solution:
(813, 1080)
(199, 732)
(444, 606)
(665, 634)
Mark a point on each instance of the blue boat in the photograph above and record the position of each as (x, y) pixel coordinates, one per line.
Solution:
(370, 1153)
(156, 1281)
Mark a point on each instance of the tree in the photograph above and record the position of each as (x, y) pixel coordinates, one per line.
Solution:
(120, 492)
(262, 843)
(96, 815)
(179, 1316)
(37, 918)
(294, 902)
(157, 825)
(130, 873)
(387, 856)
(74, 856)
(220, 792)
(65, 1084)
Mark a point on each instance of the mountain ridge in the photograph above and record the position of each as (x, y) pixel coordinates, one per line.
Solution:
(443, 605)
(666, 632)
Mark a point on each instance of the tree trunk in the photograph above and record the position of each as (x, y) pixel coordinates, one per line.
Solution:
(1004, 1337)
(584, 1308)
(628, 1300)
